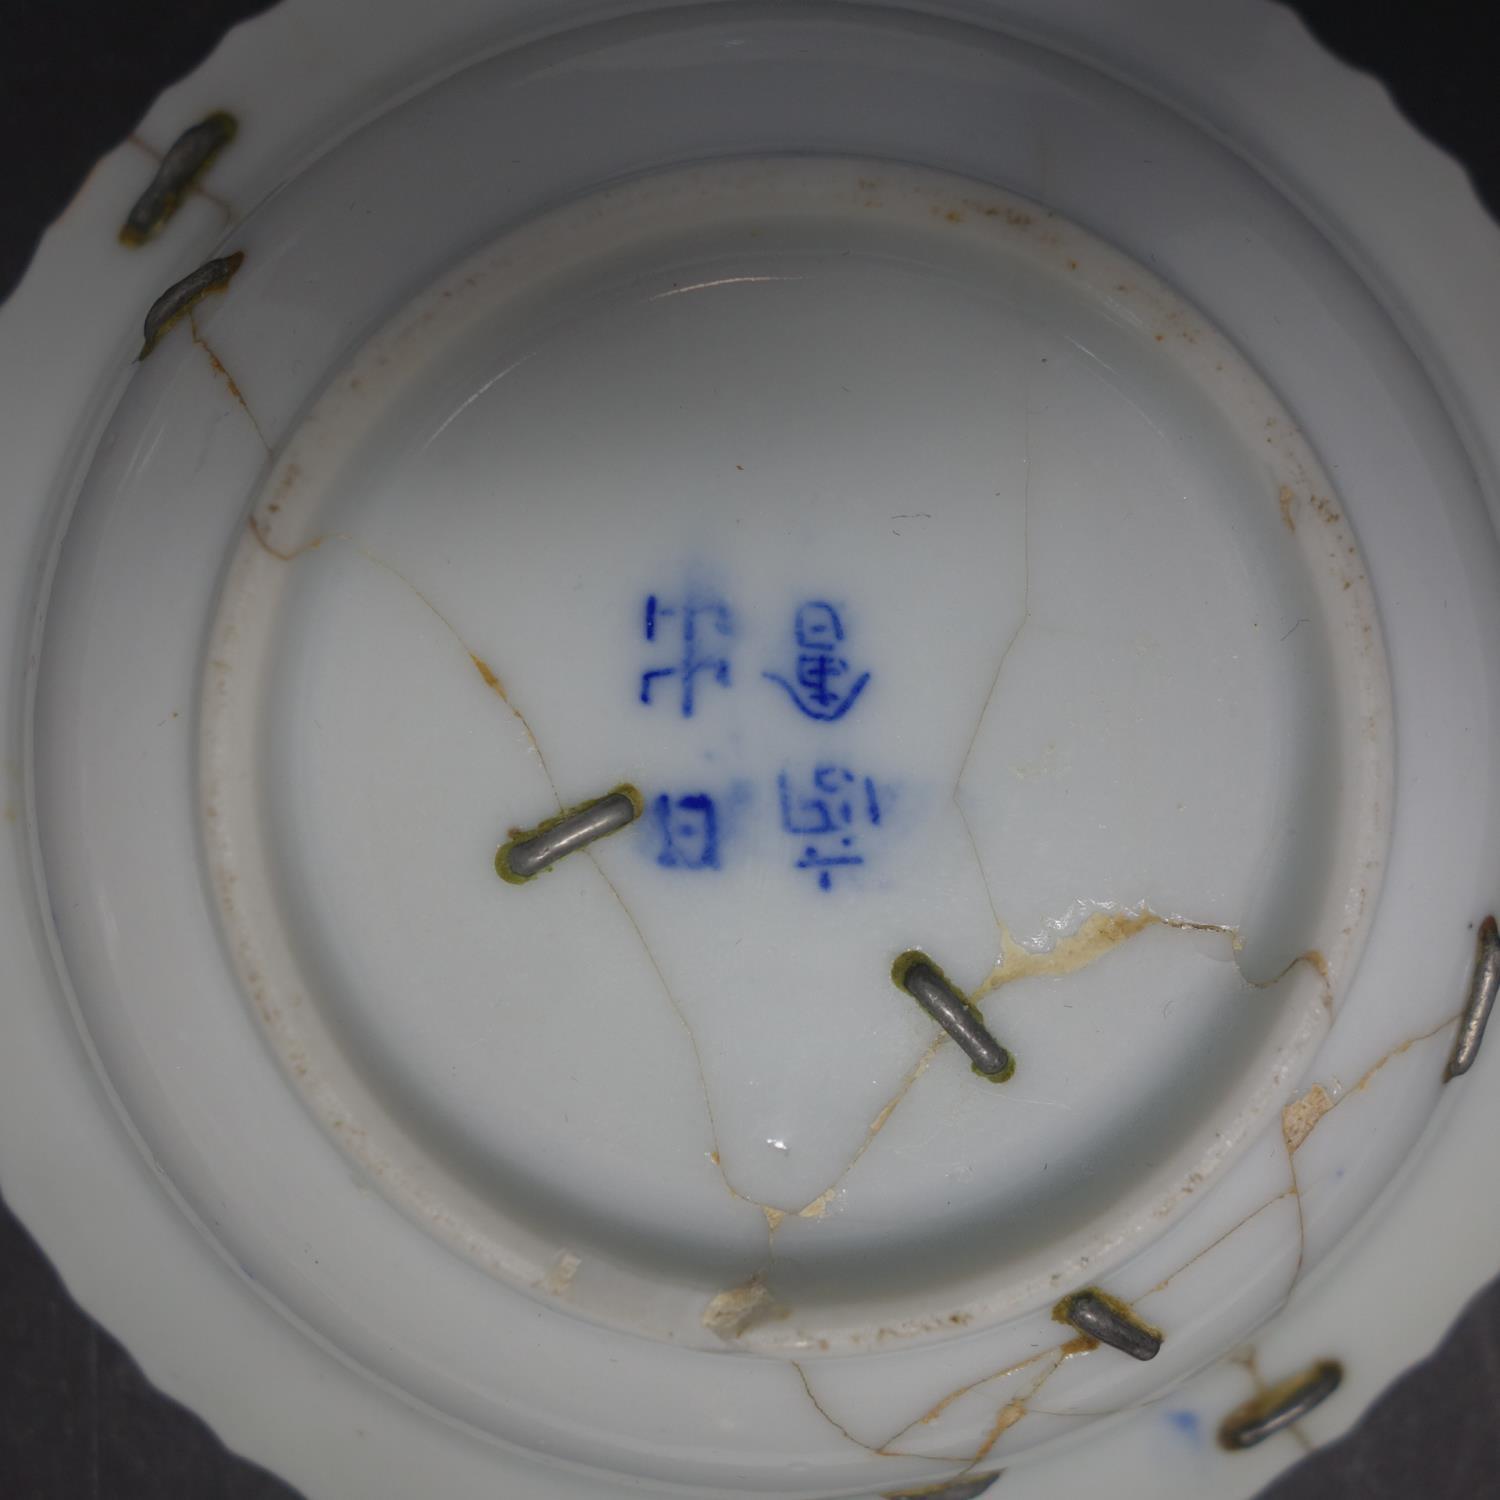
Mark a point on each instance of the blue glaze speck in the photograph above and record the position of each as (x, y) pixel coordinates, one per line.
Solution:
(1187, 1423)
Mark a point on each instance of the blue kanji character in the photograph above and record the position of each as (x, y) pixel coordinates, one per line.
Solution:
(838, 799)
(691, 662)
(816, 691)
(689, 828)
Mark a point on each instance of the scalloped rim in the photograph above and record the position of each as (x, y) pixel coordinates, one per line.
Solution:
(1332, 142)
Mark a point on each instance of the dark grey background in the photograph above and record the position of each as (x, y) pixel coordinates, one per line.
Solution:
(78, 1421)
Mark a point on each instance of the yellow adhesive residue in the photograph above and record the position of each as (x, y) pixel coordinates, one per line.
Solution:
(1100, 934)
(1062, 1313)
(742, 1307)
(179, 173)
(1239, 1429)
(258, 531)
(559, 1278)
(899, 970)
(1287, 498)
(520, 836)
(1083, 1344)
(819, 1206)
(1299, 1117)
(1009, 1415)
(887, 1110)
(490, 680)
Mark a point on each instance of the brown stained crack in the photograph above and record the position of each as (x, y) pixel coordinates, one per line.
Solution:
(225, 376)
(1298, 1121)
(1015, 1409)
(1083, 1344)
(819, 1205)
(1296, 1192)
(493, 682)
(1100, 934)
(1301, 1116)
(934, 1412)
(219, 203)
(1233, 1229)
(1005, 655)
(1293, 1136)
(1395, 1052)
(487, 675)
(1009, 1415)
(773, 1215)
(253, 525)
(831, 1420)
(1011, 1411)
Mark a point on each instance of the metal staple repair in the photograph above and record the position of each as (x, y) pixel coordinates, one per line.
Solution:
(961, 1489)
(1101, 1317)
(1268, 1413)
(926, 984)
(1482, 991)
(530, 853)
(188, 158)
(211, 276)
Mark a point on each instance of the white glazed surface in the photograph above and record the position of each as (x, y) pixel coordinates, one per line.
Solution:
(1287, 1218)
(770, 1035)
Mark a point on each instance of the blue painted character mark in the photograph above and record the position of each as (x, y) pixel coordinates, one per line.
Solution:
(829, 809)
(826, 864)
(836, 798)
(818, 690)
(689, 829)
(690, 617)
